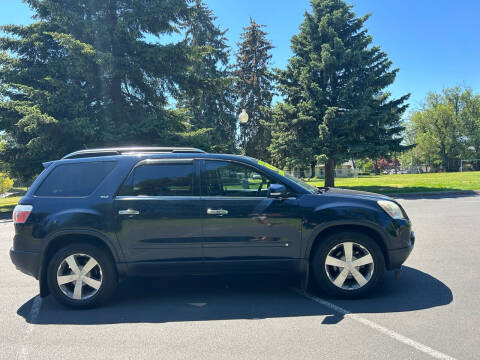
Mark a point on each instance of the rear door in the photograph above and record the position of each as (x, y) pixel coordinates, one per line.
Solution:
(159, 212)
(244, 229)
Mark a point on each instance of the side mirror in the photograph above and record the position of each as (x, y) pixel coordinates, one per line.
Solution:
(277, 191)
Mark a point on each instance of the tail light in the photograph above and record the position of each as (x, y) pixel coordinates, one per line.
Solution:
(21, 213)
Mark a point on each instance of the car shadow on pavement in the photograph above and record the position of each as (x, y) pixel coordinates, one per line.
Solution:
(225, 298)
(414, 290)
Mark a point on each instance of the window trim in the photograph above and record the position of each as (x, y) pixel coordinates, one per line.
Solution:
(203, 189)
(159, 197)
(196, 182)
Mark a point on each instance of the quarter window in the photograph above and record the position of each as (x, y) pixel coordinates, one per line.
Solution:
(75, 180)
(224, 178)
(160, 180)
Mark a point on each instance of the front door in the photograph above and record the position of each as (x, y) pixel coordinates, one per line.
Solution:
(243, 228)
(159, 214)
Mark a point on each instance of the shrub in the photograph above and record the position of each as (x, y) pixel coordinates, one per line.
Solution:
(367, 167)
(5, 183)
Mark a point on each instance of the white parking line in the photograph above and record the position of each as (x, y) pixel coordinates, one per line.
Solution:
(394, 335)
(32, 318)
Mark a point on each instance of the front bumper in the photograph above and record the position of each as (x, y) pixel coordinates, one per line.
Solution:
(398, 256)
(27, 262)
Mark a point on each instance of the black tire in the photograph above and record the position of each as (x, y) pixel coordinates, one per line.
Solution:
(106, 266)
(319, 270)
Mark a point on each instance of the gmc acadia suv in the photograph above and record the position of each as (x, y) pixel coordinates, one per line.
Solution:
(97, 216)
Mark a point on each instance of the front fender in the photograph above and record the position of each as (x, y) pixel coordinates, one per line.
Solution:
(335, 214)
(343, 225)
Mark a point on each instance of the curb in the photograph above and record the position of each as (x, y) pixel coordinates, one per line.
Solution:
(435, 194)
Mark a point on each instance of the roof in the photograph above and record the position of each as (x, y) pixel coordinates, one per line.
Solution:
(145, 153)
(129, 150)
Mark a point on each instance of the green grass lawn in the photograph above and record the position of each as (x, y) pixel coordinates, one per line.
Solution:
(7, 204)
(410, 183)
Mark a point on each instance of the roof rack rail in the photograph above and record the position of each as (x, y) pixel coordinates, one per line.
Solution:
(129, 150)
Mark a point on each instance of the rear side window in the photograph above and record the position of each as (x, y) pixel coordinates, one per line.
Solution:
(75, 180)
(160, 180)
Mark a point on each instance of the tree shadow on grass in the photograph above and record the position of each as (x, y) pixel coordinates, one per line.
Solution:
(245, 297)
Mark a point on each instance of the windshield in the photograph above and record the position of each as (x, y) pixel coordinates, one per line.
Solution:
(299, 182)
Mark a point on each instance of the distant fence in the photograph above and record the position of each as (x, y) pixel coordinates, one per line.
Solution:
(470, 165)
(346, 172)
(320, 172)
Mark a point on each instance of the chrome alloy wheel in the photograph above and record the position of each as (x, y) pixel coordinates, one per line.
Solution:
(349, 266)
(79, 276)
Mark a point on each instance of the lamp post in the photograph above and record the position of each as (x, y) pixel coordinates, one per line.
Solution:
(243, 117)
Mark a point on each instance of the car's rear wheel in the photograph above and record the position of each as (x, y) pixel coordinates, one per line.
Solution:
(81, 276)
(348, 264)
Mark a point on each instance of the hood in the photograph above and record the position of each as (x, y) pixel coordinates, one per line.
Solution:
(355, 194)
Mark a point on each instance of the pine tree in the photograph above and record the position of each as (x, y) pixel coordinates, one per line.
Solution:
(254, 89)
(336, 106)
(84, 74)
(207, 103)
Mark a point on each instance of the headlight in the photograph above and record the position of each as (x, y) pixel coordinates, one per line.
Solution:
(391, 209)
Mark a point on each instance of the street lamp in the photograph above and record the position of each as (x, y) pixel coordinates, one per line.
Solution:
(243, 117)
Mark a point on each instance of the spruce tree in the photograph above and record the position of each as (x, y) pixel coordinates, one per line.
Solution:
(207, 102)
(254, 89)
(85, 75)
(336, 106)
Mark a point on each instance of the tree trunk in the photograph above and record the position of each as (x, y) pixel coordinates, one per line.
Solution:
(312, 170)
(330, 173)
(116, 96)
(302, 173)
(445, 163)
(444, 156)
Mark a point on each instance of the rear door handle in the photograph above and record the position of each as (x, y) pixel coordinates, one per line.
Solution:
(128, 212)
(217, 212)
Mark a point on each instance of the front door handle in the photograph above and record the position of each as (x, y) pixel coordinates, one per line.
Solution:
(128, 212)
(217, 212)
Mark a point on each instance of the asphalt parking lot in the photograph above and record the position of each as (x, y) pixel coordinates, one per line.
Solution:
(430, 312)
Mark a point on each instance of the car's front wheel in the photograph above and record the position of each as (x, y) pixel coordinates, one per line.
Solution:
(348, 264)
(81, 276)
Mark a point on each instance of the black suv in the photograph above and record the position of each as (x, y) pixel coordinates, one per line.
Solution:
(97, 216)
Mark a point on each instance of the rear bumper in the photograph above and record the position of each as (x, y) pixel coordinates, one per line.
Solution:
(27, 262)
(398, 256)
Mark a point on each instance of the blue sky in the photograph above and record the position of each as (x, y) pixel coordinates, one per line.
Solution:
(435, 43)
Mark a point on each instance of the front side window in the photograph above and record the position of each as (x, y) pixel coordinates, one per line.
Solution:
(224, 178)
(75, 180)
(299, 182)
(160, 180)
